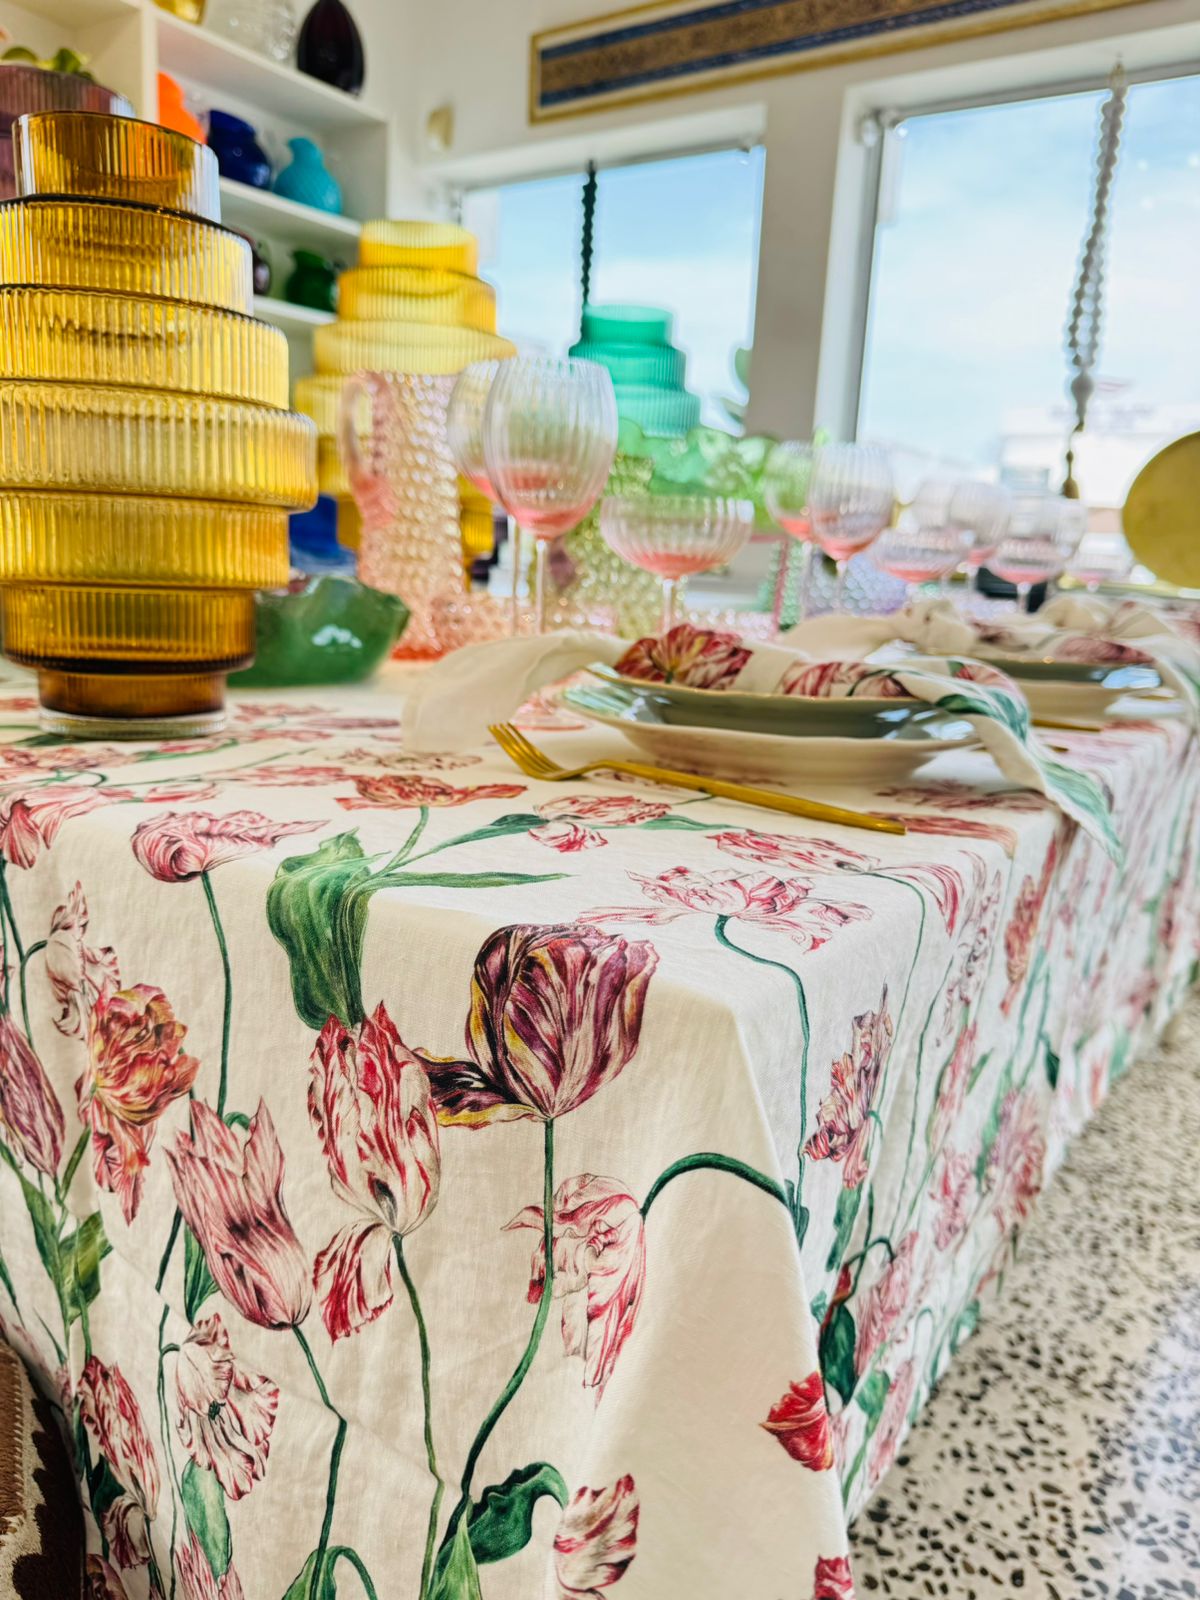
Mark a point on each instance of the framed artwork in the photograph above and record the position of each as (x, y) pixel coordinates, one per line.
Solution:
(651, 52)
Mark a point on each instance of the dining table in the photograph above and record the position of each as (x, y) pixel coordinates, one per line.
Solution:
(423, 1182)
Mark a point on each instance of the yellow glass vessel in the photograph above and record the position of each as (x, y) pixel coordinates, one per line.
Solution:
(443, 246)
(82, 336)
(415, 347)
(90, 155)
(415, 294)
(147, 458)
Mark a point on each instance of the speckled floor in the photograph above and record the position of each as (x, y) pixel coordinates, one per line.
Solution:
(1060, 1458)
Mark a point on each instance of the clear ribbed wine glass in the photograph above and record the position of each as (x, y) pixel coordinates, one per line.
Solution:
(927, 542)
(786, 479)
(674, 536)
(464, 435)
(549, 437)
(1042, 536)
(984, 508)
(851, 498)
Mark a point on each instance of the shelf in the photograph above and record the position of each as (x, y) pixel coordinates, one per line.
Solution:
(258, 211)
(292, 319)
(79, 13)
(223, 67)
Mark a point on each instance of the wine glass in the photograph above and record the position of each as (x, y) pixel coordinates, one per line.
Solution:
(1043, 534)
(674, 535)
(984, 508)
(850, 501)
(927, 543)
(786, 480)
(549, 437)
(464, 435)
(1101, 559)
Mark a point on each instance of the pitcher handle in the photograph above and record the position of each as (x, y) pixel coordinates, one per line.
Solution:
(359, 469)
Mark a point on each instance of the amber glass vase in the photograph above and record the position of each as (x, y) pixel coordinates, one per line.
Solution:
(147, 459)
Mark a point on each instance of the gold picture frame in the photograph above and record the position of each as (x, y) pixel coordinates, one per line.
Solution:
(657, 51)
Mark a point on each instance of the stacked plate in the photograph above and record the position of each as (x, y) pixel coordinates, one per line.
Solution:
(148, 460)
(772, 737)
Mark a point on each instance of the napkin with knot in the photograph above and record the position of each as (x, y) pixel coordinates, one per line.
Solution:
(456, 700)
(1084, 628)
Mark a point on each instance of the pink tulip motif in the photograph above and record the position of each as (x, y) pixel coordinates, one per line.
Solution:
(843, 1126)
(136, 1067)
(181, 845)
(596, 1540)
(1016, 1161)
(832, 1579)
(599, 1269)
(573, 822)
(79, 975)
(196, 1580)
(112, 1416)
(30, 818)
(800, 1422)
(393, 791)
(230, 1194)
(556, 1013)
(369, 1101)
(885, 1303)
(225, 1415)
(698, 658)
(31, 1118)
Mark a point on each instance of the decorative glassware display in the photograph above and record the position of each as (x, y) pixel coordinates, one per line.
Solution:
(984, 508)
(25, 88)
(267, 27)
(147, 458)
(238, 152)
(674, 536)
(323, 628)
(1042, 536)
(549, 438)
(311, 282)
(307, 180)
(850, 501)
(927, 543)
(786, 479)
(634, 343)
(330, 47)
(173, 111)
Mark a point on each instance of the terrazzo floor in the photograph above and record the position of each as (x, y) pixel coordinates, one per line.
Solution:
(1060, 1457)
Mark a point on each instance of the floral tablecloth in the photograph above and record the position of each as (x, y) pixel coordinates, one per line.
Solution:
(419, 1182)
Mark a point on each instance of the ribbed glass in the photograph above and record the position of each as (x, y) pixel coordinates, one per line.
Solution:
(90, 155)
(662, 411)
(331, 472)
(418, 244)
(25, 88)
(321, 398)
(109, 244)
(415, 294)
(50, 537)
(67, 626)
(407, 347)
(137, 441)
(625, 325)
(655, 366)
(81, 336)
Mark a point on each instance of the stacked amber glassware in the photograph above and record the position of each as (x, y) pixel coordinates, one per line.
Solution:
(148, 460)
(413, 305)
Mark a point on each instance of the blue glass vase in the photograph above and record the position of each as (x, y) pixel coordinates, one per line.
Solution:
(238, 152)
(307, 179)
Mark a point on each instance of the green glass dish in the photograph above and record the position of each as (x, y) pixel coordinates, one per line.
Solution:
(613, 324)
(326, 630)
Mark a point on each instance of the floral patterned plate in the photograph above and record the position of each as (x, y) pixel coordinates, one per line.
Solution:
(770, 757)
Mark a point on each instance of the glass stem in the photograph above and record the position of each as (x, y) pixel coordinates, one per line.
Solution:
(539, 586)
(670, 587)
(514, 539)
(781, 582)
(839, 593)
(1023, 596)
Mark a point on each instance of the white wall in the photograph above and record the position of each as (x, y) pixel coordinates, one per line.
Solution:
(474, 55)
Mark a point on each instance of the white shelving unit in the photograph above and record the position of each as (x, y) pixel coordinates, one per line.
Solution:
(128, 42)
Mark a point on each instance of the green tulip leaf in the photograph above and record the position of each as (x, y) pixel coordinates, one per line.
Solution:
(457, 1576)
(502, 1522)
(204, 1507)
(198, 1281)
(317, 910)
(836, 1351)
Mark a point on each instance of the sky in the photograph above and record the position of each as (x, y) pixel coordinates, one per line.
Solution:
(976, 251)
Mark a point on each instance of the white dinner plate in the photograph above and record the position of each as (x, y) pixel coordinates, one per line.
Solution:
(777, 758)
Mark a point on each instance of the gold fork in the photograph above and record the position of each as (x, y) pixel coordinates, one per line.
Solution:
(535, 763)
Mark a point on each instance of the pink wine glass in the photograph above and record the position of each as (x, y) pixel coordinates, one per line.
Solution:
(1042, 536)
(850, 501)
(675, 535)
(549, 438)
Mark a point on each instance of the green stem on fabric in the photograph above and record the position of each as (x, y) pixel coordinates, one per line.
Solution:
(64, 1183)
(916, 1100)
(711, 1161)
(8, 912)
(343, 1552)
(535, 1333)
(26, 957)
(166, 1255)
(175, 1486)
(723, 938)
(430, 1453)
(410, 844)
(335, 1461)
(227, 1013)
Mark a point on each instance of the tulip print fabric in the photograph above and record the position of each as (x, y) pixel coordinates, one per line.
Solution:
(419, 1182)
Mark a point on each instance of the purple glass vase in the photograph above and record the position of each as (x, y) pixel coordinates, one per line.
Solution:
(330, 47)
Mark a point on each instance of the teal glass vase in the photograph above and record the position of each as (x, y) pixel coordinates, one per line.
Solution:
(307, 180)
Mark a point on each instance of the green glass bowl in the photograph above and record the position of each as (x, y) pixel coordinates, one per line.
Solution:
(625, 325)
(327, 630)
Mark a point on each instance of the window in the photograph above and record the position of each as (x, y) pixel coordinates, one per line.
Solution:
(681, 234)
(982, 213)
